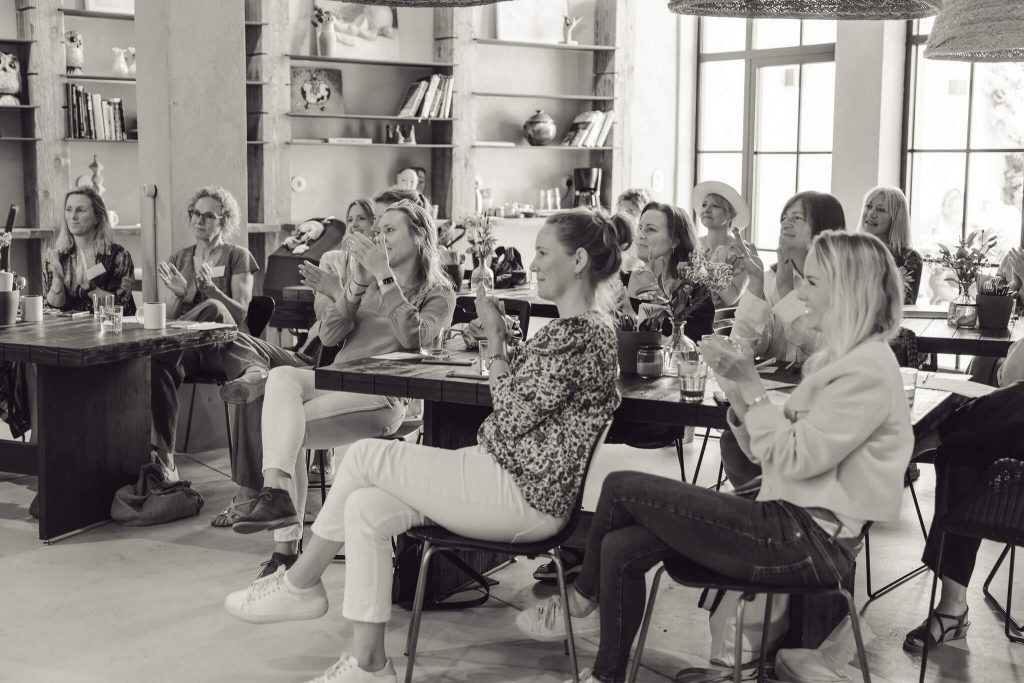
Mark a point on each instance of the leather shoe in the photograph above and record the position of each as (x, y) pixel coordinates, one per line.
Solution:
(274, 509)
(246, 388)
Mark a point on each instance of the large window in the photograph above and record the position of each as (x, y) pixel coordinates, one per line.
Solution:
(964, 164)
(765, 97)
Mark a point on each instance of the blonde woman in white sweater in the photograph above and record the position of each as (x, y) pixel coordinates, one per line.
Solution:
(833, 459)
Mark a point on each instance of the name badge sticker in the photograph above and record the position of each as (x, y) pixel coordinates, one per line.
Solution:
(216, 271)
(95, 271)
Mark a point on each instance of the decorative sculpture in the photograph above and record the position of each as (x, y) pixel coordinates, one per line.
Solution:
(120, 66)
(74, 52)
(97, 175)
(569, 25)
(10, 79)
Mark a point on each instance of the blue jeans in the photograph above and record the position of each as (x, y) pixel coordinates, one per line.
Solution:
(642, 519)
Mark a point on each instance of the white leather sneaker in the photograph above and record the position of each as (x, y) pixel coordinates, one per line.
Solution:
(272, 599)
(346, 670)
(546, 622)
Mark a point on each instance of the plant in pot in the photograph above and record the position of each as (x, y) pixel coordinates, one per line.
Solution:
(995, 302)
(663, 309)
(11, 283)
(482, 241)
(963, 263)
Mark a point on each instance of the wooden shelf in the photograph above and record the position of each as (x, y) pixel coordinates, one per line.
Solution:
(370, 62)
(546, 46)
(255, 142)
(561, 148)
(374, 144)
(129, 229)
(131, 141)
(18, 139)
(368, 117)
(96, 15)
(19, 107)
(264, 228)
(124, 80)
(547, 96)
(15, 41)
(257, 82)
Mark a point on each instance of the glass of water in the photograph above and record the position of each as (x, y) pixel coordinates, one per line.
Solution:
(111, 318)
(431, 341)
(909, 376)
(693, 376)
(485, 363)
(99, 301)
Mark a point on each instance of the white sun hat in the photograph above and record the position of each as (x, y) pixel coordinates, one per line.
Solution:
(730, 195)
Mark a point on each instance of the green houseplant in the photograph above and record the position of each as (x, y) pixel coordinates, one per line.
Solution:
(963, 263)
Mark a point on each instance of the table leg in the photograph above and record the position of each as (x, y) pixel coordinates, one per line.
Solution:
(91, 426)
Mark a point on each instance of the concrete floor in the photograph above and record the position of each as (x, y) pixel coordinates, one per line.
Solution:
(145, 604)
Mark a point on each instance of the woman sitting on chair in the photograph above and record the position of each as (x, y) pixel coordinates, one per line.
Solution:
(887, 217)
(820, 485)
(558, 388)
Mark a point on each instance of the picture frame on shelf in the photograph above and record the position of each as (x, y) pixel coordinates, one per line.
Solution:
(112, 6)
(355, 30)
(533, 21)
(316, 90)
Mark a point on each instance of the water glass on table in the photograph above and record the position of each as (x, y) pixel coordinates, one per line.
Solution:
(909, 376)
(111, 318)
(485, 361)
(431, 341)
(99, 301)
(693, 376)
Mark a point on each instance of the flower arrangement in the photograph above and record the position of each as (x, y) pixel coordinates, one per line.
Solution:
(320, 17)
(963, 261)
(480, 236)
(676, 299)
(5, 259)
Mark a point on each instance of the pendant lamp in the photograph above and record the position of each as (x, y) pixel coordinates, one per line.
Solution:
(432, 3)
(809, 9)
(978, 31)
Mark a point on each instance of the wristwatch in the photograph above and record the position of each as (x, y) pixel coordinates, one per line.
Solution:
(386, 281)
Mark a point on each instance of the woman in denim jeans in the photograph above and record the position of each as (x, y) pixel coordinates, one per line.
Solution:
(832, 458)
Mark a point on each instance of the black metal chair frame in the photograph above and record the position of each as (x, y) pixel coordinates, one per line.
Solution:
(260, 311)
(465, 311)
(436, 538)
(711, 579)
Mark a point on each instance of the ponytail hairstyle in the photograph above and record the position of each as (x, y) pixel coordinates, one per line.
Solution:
(866, 293)
(429, 270)
(596, 233)
(625, 227)
(680, 230)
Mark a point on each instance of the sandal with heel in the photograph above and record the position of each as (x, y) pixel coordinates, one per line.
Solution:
(914, 642)
(232, 512)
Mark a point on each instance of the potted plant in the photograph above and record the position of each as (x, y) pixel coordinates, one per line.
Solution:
(482, 241)
(963, 263)
(664, 308)
(995, 302)
(10, 283)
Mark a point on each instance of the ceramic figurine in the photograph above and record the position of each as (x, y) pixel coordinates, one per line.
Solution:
(97, 178)
(539, 129)
(568, 26)
(410, 136)
(131, 62)
(74, 52)
(10, 79)
(120, 66)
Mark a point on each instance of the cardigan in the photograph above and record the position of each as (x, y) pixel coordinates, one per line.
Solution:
(842, 441)
(236, 260)
(548, 409)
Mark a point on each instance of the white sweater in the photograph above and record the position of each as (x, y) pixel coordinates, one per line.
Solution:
(843, 440)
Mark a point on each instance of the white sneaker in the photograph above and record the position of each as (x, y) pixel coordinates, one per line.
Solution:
(170, 473)
(272, 599)
(546, 621)
(585, 676)
(346, 670)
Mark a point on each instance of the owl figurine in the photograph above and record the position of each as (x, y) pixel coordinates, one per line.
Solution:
(131, 62)
(74, 55)
(10, 79)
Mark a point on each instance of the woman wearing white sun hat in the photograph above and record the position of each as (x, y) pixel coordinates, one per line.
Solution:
(724, 213)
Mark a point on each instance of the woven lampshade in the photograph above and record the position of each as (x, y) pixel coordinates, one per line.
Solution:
(978, 31)
(432, 3)
(808, 9)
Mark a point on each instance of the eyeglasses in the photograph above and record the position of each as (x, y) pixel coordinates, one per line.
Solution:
(204, 217)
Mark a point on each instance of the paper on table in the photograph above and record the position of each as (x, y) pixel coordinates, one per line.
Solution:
(191, 325)
(770, 384)
(397, 355)
(961, 387)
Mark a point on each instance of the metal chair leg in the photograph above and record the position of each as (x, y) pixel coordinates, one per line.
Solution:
(634, 668)
(763, 658)
(721, 472)
(700, 458)
(227, 425)
(569, 640)
(188, 424)
(855, 622)
(737, 671)
(321, 462)
(895, 583)
(682, 465)
(1005, 611)
(417, 610)
(931, 602)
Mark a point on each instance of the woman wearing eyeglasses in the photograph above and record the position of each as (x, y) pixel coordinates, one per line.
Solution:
(212, 279)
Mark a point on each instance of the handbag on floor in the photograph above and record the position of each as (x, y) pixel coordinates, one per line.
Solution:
(153, 500)
(408, 553)
(722, 605)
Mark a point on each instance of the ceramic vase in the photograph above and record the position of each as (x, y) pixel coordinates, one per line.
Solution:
(539, 129)
(994, 311)
(482, 274)
(326, 39)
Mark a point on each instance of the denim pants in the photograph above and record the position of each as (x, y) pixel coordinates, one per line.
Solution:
(642, 519)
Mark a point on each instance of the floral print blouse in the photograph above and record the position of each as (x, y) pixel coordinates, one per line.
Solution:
(118, 278)
(551, 406)
(910, 266)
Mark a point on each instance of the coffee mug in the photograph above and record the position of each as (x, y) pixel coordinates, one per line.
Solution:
(154, 315)
(6, 281)
(113, 218)
(32, 308)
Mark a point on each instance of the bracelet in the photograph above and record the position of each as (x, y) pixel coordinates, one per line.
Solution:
(763, 398)
(497, 356)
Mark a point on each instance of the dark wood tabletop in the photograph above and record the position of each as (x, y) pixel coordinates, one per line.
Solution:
(935, 335)
(79, 343)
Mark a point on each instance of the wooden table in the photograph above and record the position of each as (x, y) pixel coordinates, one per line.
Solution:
(90, 412)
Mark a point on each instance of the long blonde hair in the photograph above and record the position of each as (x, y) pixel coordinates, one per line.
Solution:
(424, 232)
(104, 233)
(866, 293)
(895, 202)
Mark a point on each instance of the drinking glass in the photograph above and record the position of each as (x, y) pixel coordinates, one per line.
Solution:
(99, 301)
(693, 376)
(650, 361)
(909, 376)
(431, 343)
(110, 318)
(485, 363)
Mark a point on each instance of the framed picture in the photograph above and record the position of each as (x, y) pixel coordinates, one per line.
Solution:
(316, 90)
(536, 21)
(353, 29)
(113, 6)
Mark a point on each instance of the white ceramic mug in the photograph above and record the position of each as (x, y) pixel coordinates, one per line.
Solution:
(6, 281)
(32, 308)
(154, 315)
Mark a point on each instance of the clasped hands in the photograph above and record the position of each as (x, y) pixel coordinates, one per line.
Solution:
(733, 365)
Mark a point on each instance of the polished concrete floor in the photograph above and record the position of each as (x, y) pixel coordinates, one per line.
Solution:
(145, 604)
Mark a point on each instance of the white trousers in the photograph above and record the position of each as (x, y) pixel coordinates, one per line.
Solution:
(383, 488)
(298, 416)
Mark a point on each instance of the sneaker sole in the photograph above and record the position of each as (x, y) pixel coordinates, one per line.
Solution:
(252, 527)
(555, 637)
(276, 618)
(570, 574)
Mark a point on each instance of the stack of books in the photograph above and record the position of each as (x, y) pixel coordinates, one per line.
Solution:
(589, 129)
(428, 98)
(90, 117)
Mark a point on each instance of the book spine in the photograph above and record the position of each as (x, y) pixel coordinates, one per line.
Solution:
(595, 129)
(118, 118)
(451, 96)
(97, 115)
(91, 108)
(68, 111)
(428, 99)
(606, 128)
(79, 113)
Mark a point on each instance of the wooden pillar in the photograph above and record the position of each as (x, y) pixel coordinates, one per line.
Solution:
(453, 42)
(192, 116)
(613, 76)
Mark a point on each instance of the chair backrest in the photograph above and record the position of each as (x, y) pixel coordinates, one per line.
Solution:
(259, 313)
(994, 507)
(465, 311)
(577, 506)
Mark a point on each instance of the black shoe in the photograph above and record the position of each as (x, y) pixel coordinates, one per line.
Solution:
(572, 563)
(913, 474)
(276, 560)
(274, 509)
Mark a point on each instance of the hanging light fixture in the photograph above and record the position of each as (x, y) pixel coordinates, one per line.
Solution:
(432, 3)
(978, 31)
(808, 9)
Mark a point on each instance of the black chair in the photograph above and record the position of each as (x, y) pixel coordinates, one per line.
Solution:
(688, 573)
(993, 510)
(465, 311)
(259, 313)
(436, 538)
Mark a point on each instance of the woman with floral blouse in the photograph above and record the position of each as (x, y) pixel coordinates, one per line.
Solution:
(558, 388)
(85, 260)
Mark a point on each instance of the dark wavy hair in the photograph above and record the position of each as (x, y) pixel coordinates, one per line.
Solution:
(680, 230)
(824, 212)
